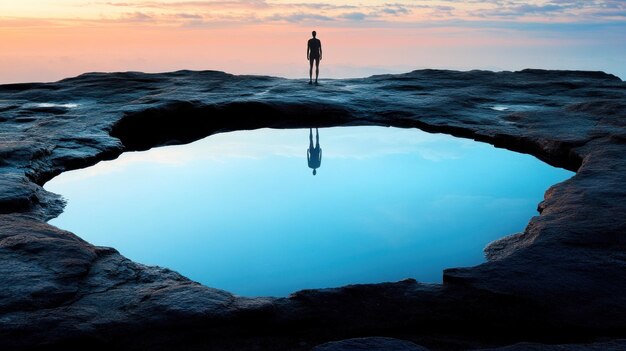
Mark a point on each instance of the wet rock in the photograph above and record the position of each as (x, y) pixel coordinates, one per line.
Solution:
(370, 344)
(617, 345)
(560, 281)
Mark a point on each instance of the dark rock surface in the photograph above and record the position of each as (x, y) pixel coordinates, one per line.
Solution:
(370, 344)
(615, 345)
(561, 281)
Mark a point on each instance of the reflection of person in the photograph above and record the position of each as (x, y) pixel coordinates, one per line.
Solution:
(314, 53)
(314, 154)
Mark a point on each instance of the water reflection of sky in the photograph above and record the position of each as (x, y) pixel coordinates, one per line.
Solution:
(241, 211)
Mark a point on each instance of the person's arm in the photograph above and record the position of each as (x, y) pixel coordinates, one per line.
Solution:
(320, 51)
(320, 148)
(308, 50)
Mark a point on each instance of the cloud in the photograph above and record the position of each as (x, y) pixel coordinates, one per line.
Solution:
(28, 22)
(320, 6)
(220, 4)
(526, 9)
(136, 17)
(610, 13)
(353, 16)
(491, 14)
(299, 17)
(189, 16)
(571, 10)
(292, 12)
(118, 4)
(395, 10)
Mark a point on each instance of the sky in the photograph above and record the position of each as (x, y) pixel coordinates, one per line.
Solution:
(46, 40)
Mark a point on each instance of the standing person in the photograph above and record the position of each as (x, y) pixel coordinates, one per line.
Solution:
(314, 53)
(314, 154)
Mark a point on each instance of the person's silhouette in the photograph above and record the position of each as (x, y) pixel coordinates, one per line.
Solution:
(314, 54)
(314, 154)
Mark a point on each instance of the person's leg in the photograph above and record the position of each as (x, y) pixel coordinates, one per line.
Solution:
(310, 70)
(310, 138)
(317, 68)
(317, 138)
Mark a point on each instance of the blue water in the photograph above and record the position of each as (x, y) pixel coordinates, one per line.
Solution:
(242, 211)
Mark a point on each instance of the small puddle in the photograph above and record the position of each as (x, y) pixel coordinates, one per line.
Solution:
(50, 105)
(242, 211)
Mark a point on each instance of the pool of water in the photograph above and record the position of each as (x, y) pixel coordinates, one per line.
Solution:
(242, 211)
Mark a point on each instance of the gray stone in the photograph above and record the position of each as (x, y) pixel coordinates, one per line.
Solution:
(370, 344)
(615, 345)
(560, 281)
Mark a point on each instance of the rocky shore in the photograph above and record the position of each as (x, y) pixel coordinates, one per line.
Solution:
(561, 281)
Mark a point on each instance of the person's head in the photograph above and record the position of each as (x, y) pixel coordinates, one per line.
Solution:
(314, 33)
(314, 172)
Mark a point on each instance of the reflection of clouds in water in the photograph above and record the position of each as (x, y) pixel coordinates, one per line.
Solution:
(398, 215)
(508, 203)
(158, 156)
(460, 200)
(388, 214)
(487, 201)
(338, 143)
(369, 142)
(479, 202)
(443, 209)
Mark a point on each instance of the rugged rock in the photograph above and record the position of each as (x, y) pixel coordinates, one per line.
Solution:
(616, 345)
(561, 281)
(370, 344)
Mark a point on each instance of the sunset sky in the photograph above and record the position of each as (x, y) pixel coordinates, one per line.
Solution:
(45, 40)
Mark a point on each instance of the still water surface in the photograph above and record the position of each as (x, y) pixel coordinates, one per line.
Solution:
(242, 211)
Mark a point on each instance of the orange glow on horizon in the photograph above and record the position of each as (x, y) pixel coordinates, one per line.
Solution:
(42, 40)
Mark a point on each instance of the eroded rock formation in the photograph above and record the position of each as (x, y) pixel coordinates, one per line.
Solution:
(560, 281)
